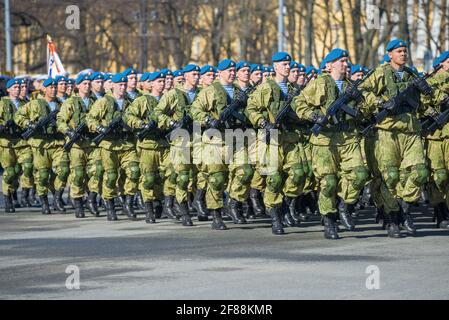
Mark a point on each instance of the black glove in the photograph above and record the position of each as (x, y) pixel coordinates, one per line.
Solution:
(422, 86)
(32, 125)
(212, 123)
(149, 125)
(391, 104)
(318, 118)
(267, 125)
(354, 93)
(101, 129)
(70, 133)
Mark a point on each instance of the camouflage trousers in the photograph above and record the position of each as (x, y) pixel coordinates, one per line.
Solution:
(52, 169)
(401, 163)
(339, 171)
(438, 160)
(153, 163)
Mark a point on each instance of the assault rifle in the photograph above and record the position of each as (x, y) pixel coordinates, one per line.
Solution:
(43, 123)
(115, 123)
(76, 136)
(434, 122)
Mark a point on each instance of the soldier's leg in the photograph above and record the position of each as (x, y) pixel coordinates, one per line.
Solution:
(78, 178)
(129, 162)
(42, 167)
(61, 169)
(388, 158)
(149, 180)
(95, 172)
(8, 161)
(325, 169)
(26, 182)
(111, 164)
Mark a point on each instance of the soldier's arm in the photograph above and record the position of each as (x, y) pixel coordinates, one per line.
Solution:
(203, 104)
(21, 117)
(162, 109)
(95, 114)
(2, 112)
(64, 115)
(258, 101)
(372, 90)
(133, 116)
(308, 103)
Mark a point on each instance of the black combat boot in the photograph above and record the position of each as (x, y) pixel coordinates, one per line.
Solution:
(110, 209)
(9, 206)
(45, 205)
(234, 211)
(441, 214)
(139, 201)
(276, 221)
(190, 199)
(57, 201)
(291, 217)
(380, 217)
(217, 223)
(25, 198)
(182, 210)
(157, 207)
(128, 207)
(199, 203)
(168, 206)
(92, 204)
(344, 211)
(15, 200)
(149, 212)
(255, 197)
(311, 203)
(120, 201)
(79, 210)
(406, 218)
(248, 210)
(330, 226)
(33, 199)
(301, 209)
(392, 224)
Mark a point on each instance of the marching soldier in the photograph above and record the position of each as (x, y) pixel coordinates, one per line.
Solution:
(50, 161)
(153, 147)
(131, 91)
(169, 80)
(118, 153)
(174, 109)
(107, 86)
(207, 74)
(85, 162)
(336, 156)
(255, 74)
(61, 94)
(399, 151)
(97, 86)
(70, 87)
(178, 78)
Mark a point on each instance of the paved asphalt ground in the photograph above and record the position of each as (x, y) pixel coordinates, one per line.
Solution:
(134, 260)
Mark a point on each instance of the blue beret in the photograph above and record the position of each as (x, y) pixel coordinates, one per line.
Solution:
(155, 75)
(144, 77)
(49, 82)
(442, 57)
(129, 72)
(60, 78)
(119, 77)
(385, 58)
(226, 64)
(294, 65)
(265, 69)
(207, 68)
(97, 76)
(108, 76)
(396, 43)
(255, 67)
(301, 67)
(310, 69)
(167, 72)
(70, 81)
(323, 65)
(178, 73)
(191, 67)
(241, 64)
(281, 56)
(335, 54)
(356, 68)
(82, 77)
(12, 82)
(270, 69)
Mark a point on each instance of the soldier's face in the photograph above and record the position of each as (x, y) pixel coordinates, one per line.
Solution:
(293, 75)
(357, 76)
(179, 80)
(445, 65)
(243, 74)
(23, 90)
(132, 81)
(228, 75)
(208, 78)
(84, 87)
(146, 85)
(282, 68)
(158, 85)
(50, 91)
(14, 91)
(69, 89)
(108, 85)
(301, 78)
(192, 78)
(399, 56)
(97, 85)
(169, 82)
(339, 66)
(265, 76)
(119, 88)
(62, 86)
(256, 76)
